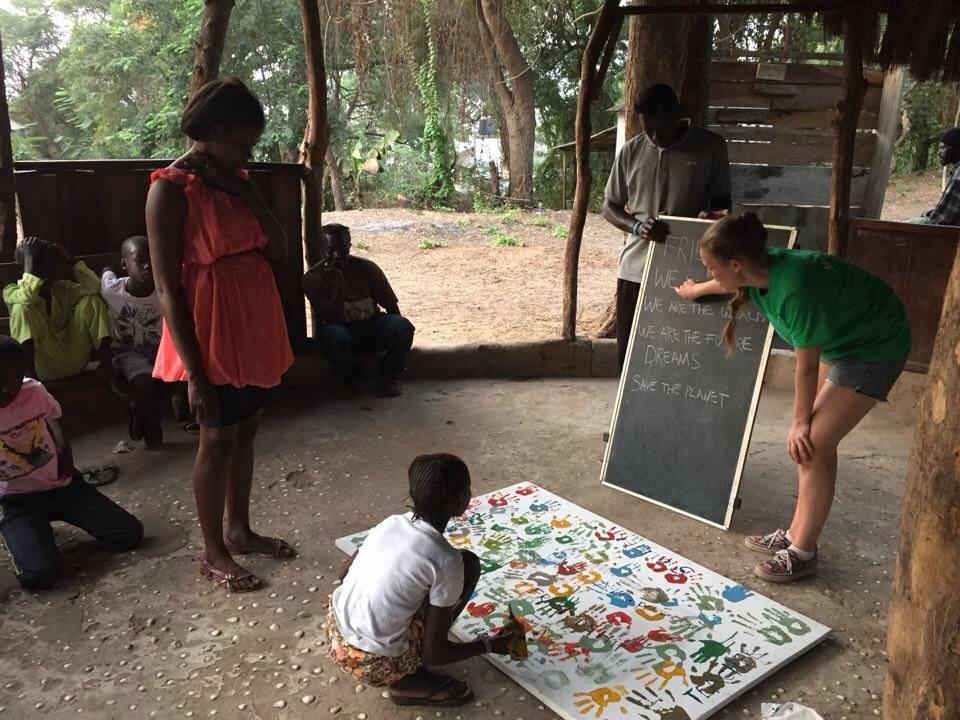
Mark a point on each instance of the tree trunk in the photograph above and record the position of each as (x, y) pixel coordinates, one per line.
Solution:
(513, 85)
(921, 155)
(605, 34)
(8, 198)
(674, 49)
(494, 178)
(853, 89)
(208, 49)
(317, 134)
(923, 635)
(336, 180)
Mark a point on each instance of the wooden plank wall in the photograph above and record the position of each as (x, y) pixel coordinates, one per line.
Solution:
(780, 115)
(916, 261)
(92, 206)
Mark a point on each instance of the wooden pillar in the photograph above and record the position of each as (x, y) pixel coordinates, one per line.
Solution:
(888, 125)
(563, 175)
(317, 134)
(8, 197)
(605, 34)
(845, 123)
(208, 49)
(923, 626)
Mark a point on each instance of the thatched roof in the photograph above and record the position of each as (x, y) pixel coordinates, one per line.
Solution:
(921, 35)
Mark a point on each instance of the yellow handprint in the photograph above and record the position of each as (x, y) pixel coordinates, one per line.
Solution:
(599, 699)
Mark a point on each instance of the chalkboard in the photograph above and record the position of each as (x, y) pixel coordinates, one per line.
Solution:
(684, 411)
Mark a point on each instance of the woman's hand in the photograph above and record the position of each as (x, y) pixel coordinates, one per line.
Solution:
(216, 175)
(799, 445)
(203, 400)
(689, 289)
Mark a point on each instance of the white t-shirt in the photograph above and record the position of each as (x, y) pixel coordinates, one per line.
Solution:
(137, 321)
(402, 563)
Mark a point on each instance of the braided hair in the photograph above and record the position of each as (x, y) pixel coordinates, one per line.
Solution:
(736, 237)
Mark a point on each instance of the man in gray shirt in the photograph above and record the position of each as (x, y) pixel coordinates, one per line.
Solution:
(672, 168)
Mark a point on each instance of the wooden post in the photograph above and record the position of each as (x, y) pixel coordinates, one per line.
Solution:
(923, 626)
(208, 49)
(853, 89)
(563, 176)
(316, 137)
(605, 30)
(8, 197)
(888, 124)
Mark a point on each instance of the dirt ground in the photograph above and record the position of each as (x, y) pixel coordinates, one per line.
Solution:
(466, 290)
(144, 636)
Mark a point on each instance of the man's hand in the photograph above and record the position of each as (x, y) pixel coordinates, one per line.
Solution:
(713, 214)
(653, 230)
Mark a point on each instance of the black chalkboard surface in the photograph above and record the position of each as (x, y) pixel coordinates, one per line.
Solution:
(684, 411)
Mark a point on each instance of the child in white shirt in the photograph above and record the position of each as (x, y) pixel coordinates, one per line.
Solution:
(403, 591)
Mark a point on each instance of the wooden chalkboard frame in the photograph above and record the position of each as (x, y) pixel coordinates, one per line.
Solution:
(754, 401)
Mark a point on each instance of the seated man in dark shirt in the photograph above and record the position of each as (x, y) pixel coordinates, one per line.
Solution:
(358, 310)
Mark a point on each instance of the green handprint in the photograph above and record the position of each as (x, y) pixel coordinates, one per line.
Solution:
(791, 623)
(709, 649)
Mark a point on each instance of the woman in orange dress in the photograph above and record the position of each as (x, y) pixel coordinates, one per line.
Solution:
(212, 240)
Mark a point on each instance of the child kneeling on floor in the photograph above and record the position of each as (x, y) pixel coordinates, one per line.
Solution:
(404, 589)
(39, 483)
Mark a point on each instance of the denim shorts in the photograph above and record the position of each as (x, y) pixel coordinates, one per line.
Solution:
(874, 379)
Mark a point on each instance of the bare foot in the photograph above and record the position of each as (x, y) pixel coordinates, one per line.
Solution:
(429, 689)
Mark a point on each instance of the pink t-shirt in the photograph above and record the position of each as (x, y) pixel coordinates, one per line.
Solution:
(28, 457)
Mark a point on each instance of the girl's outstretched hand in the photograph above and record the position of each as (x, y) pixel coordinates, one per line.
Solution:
(799, 445)
(689, 289)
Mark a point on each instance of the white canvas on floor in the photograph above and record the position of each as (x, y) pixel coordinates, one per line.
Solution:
(619, 627)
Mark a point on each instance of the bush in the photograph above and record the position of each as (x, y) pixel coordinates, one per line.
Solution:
(502, 239)
(426, 244)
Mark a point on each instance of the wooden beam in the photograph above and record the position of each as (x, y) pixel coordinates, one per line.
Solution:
(845, 129)
(807, 8)
(887, 128)
(607, 19)
(8, 196)
(316, 136)
(923, 625)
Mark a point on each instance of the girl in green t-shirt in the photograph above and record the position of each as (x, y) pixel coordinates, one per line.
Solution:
(851, 338)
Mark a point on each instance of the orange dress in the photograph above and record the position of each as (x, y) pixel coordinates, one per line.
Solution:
(230, 290)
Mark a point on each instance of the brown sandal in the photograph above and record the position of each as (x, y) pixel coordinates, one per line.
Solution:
(232, 582)
(280, 549)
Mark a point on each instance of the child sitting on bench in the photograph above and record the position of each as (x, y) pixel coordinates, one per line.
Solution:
(137, 323)
(404, 589)
(39, 483)
(56, 312)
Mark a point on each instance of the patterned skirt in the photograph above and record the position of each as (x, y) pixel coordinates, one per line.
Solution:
(370, 669)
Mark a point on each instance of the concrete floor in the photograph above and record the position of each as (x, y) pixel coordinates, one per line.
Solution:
(144, 636)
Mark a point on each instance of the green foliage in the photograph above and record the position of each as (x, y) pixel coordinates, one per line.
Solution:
(483, 203)
(508, 215)
(427, 244)
(540, 221)
(559, 231)
(930, 108)
(361, 245)
(501, 239)
(436, 145)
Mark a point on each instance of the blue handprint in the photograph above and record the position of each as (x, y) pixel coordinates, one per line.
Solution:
(736, 593)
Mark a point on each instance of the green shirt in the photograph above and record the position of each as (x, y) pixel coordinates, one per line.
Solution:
(817, 300)
(64, 330)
